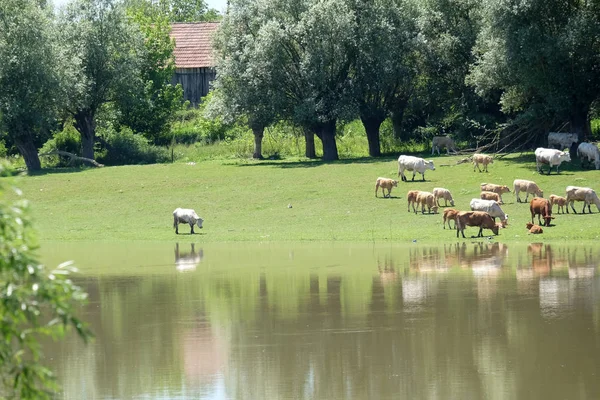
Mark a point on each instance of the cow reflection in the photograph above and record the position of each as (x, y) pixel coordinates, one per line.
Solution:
(387, 271)
(187, 261)
(428, 259)
(582, 268)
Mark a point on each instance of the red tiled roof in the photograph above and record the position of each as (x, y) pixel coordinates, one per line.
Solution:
(193, 44)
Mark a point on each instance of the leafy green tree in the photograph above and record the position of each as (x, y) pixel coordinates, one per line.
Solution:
(543, 56)
(34, 303)
(449, 29)
(106, 52)
(150, 108)
(247, 85)
(303, 56)
(176, 10)
(387, 46)
(30, 76)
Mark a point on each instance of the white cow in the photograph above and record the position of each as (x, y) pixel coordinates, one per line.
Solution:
(562, 140)
(186, 216)
(551, 157)
(491, 207)
(443, 141)
(585, 194)
(589, 152)
(414, 164)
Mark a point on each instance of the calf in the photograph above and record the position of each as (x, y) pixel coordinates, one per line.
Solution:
(560, 201)
(541, 207)
(491, 187)
(450, 215)
(535, 229)
(482, 159)
(490, 196)
(385, 183)
(411, 197)
(426, 199)
(441, 193)
(475, 218)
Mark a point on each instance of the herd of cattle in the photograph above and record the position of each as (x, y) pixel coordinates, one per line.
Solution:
(486, 209)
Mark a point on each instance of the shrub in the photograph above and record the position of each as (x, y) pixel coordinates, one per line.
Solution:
(66, 140)
(125, 147)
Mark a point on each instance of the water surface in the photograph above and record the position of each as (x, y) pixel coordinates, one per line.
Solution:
(472, 320)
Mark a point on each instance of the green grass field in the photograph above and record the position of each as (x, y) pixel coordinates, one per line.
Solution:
(248, 201)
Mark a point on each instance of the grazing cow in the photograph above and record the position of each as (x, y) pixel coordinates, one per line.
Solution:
(411, 197)
(535, 229)
(490, 196)
(551, 157)
(529, 187)
(491, 187)
(560, 201)
(491, 207)
(426, 199)
(450, 215)
(585, 194)
(542, 208)
(482, 159)
(562, 140)
(186, 216)
(589, 152)
(475, 218)
(414, 164)
(441, 193)
(443, 141)
(385, 183)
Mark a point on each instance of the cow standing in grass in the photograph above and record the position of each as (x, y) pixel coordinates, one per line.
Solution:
(186, 216)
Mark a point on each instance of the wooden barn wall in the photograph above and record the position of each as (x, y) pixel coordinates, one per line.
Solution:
(195, 82)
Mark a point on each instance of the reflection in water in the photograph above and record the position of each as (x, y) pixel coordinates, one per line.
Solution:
(461, 321)
(187, 261)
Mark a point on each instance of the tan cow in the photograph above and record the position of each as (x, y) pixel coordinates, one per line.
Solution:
(411, 197)
(560, 201)
(385, 183)
(491, 187)
(482, 159)
(426, 199)
(450, 215)
(485, 195)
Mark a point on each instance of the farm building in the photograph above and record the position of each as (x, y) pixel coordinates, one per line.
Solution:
(194, 63)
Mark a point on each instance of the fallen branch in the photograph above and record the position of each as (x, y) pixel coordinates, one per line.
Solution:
(72, 157)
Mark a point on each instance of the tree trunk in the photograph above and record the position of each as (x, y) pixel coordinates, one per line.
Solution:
(309, 137)
(330, 151)
(85, 124)
(580, 125)
(397, 116)
(259, 132)
(29, 152)
(372, 125)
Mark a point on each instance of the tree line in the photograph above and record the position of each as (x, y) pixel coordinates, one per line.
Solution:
(90, 57)
(461, 66)
(481, 70)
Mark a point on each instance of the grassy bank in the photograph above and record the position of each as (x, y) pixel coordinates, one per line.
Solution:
(248, 201)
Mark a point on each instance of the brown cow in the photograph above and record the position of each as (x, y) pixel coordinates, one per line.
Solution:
(541, 207)
(475, 218)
